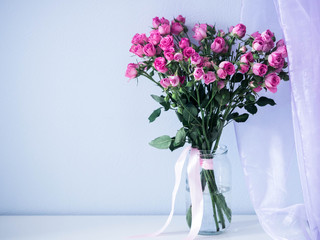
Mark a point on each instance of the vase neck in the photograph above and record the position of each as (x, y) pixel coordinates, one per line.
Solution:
(208, 154)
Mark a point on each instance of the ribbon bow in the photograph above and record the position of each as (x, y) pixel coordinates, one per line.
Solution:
(196, 194)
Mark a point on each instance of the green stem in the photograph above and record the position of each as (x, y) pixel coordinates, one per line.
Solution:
(228, 110)
(221, 201)
(149, 77)
(211, 191)
(202, 119)
(187, 110)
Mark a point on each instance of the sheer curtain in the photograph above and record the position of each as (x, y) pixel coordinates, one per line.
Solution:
(300, 21)
(274, 141)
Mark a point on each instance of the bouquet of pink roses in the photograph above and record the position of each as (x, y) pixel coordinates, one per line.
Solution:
(206, 81)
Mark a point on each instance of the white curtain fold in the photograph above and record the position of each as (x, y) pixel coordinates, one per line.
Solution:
(279, 138)
(300, 21)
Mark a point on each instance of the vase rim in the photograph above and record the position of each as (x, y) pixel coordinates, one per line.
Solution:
(222, 149)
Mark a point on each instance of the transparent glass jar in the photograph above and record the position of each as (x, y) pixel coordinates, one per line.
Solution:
(216, 186)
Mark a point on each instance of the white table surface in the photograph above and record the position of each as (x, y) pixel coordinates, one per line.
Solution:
(243, 227)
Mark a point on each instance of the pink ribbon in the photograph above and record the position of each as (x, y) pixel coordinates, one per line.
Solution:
(206, 164)
(196, 194)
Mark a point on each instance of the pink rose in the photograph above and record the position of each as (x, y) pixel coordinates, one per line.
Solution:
(230, 29)
(244, 68)
(271, 81)
(136, 39)
(166, 43)
(169, 55)
(154, 37)
(164, 21)
(200, 31)
(207, 64)
(226, 48)
(164, 29)
(195, 59)
(228, 67)
(267, 36)
(259, 69)
(181, 19)
(182, 78)
(258, 44)
(268, 46)
(280, 43)
(239, 30)
(178, 57)
(243, 49)
(222, 73)
(257, 89)
(221, 84)
(184, 43)
(188, 52)
(139, 39)
(165, 82)
(254, 87)
(176, 28)
(160, 64)
(255, 34)
(131, 71)
(149, 50)
(275, 60)
(279, 69)
(198, 73)
(218, 45)
(174, 80)
(201, 63)
(283, 50)
(209, 77)
(246, 58)
(158, 50)
(156, 22)
(137, 50)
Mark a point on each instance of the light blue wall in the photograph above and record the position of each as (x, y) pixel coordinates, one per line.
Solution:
(73, 132)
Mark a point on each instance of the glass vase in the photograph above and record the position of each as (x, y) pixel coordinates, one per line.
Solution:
(216, 187)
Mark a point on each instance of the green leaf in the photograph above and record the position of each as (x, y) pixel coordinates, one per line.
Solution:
(263, 101)
(205, 101)
(223, 97)
(213, 135)
(189, 113)
(250, 98)
(238, 77)
(241, 118)
(189, 216)
(162, 142)
(257, 78)
(180, 116)
(162, 101)
(158, 99)
(180, 138)
(244, 83)
(156, 113)
(166, 105)
(251, 108)
(194, 135)
(232, 116)
(285, 77)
